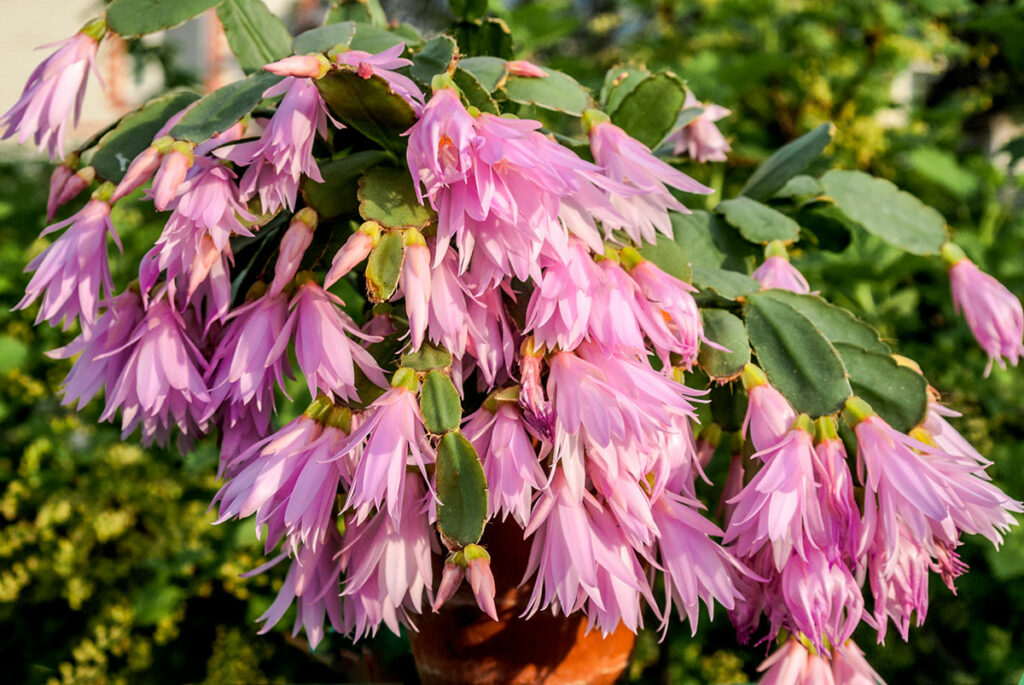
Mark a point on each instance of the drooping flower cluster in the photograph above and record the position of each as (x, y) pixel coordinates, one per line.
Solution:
(519, 343)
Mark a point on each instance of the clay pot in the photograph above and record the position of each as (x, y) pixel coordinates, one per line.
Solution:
(460, 644)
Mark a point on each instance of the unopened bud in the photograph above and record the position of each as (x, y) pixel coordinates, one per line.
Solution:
(139, 171)
(293, 246)
(81, 180)
(313, 66)
(356, 249)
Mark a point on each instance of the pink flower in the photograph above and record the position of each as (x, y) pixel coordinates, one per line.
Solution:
(293, 246)
(993, 313)
(326, 353)
(511, 466)
(162, 379)
(671, 302)
(793, 664)
(700, 138)
(72, 186)
(850, 668)
(415, 282)
(520, 67)
(537, 411)
(779, 506)
(72, 274)
(384, 64)
(451, 578)
(171, 173)
(777, 272)
(898, 573)
(103, 350)
(387, 563)
(139, 171)
(839, 508)
(314, 581)
(630, 162)
(54, 92)
(939, 431)
(284, 153)
(394, 439)
(473, 563)
(769, 415)
(696, 567)
(559, 310)
(823, 599)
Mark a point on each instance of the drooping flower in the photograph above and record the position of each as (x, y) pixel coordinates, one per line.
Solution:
(293, 246)
(559, 310)
(104, 351)
(937, 430)
(284, 152)
(325, 351)
(387, 563)
(823, 599)
(699, 137)
(839, 509)
(779, 506)
(161, 383)
(898, 574)
(777, 272)
(474, 564)
(384, 64)
(54, 92)
(794, 664)
(671, 303)
(993, 313)
(72, 185)
(849, 667)
(631, 163)
(769, 415)
(415, 283)
(511, 465)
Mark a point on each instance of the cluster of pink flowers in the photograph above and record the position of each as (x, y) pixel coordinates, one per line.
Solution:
(586, 436)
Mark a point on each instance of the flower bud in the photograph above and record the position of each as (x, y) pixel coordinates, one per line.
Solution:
(293, 245)
(481, 580)
(58, 178)
(356, 249)
(520, 67)
(139, 171)
(171, 174)
(313, 66)
(76, 184)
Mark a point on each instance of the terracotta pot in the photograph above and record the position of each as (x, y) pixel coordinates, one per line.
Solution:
(460, 644)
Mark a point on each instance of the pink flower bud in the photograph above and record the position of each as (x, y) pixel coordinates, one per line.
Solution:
(139, 171)
(993, 313)
(478, 572)
(205, 257)
(293, 246)
(356, 249)
(76, 184)
(58, 178)
(520, 67)
(416, 285)
(171, 174)
(300, 66)
(777, 272)
(451, 579)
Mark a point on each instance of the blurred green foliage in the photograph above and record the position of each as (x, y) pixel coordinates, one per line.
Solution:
(111, 569)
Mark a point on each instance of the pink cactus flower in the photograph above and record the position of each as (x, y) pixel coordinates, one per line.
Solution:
(103, 350)
(142, 168)
(520, 67)
(451, 578)
(779, 506)
(313, 582)
(898, 573)
(387, 564)
(502, 439)
(537, 411)
(284, 153)
(671, 303)
(559, 310)
(769, 415)
(849, 667)
(169, 176)
(384, 64)
(793, 664)
(161, 382)
(325, 351)
(777, 272)
(630, 162)
(54, 92)
(474, 564)
(993, 313)
(72, 274)
(948, 439)
(392, 438)
(700, 138)
(293, 246)
(839, 508)
(70, 188)
(823, 599)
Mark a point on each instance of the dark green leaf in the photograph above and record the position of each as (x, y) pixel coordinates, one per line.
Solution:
(800, 187)
(898, 394)
(728, 407)
(440, 403)
(786, 162)
(726, 330)
(222, 108)
(619, 81)
(373, 39)
(728, 284)
(139, 17)
(367, 11)
(556, 91)
(694, 232)
(484, 37)
(387, 196)
(837, 324)
(489, 71)
(757, 222)
(255, 34)
(133, 134)
(800, 362)
(468, 9)
(881, 208)
(669, 256)
(435, 58)
(474, 93)
(828, 227)
(427, 357)
(385, 266)
(462, 489)
(323, 38)
(649, 110)
(337, 194)
(369, 106)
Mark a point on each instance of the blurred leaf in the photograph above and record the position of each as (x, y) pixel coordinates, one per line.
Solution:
(693, 231)
(369, 106)
(323, 38)
(800, 187)
(428, 357)
(483, 37)
(727, 330)
(474, 93)
(157, 601)
(556, 91)
(134, 132)
(786, 162)
(337, 195)
(489, 71)
(881, 208)
(800, 362)
(434, 58)
(139, 17)
(619, 81)
(373, 39)
(941, 168)
(367, 11)
(462, 489)
(387, 196)
(729, 284)
(827, 224)
(12, 353)
(385, 266)
(255, 34)
(898, 394)
(221, 109)
(758, 223)
(440, 403)
(650, 108)
(468, 9)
